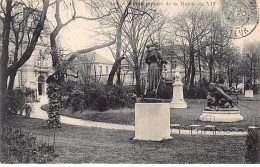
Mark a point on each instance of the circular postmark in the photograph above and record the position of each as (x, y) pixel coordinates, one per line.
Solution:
(240, 17)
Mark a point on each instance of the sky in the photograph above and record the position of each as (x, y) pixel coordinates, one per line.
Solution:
(79, 34)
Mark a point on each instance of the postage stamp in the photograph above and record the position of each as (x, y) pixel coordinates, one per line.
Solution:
(241, 17)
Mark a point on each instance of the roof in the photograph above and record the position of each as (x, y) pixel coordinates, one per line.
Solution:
(102, 59)
(97, 58)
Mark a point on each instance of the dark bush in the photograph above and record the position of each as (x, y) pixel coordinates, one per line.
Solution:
(195, 92)
(165, 92)
(101, 97)
(119, 96)
(252, 146)
(17, 147)
(95, 97)
(28, 92)
(68, 87)
(15, 100)
(76, 100)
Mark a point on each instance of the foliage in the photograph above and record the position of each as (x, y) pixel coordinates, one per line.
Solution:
(28, 110)
(75, 100)
(195, 92)
(101, 97)
(28, 92)
(252, 146)
(120, 96)
(165, 92)
(15, 100)
(67, 88)
(17, 147)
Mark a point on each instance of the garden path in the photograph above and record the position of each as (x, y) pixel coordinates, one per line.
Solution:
(41, 114)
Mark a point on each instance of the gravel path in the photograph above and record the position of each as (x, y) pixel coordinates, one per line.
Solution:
(41, 114)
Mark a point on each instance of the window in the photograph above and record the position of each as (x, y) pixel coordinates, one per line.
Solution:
(106, 69)
(100, 69)
(174, 64)
(164, 67)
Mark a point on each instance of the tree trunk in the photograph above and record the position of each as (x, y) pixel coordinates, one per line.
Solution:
(113, 71)
(11, 80)
(188, 73)
(3, 82)
(211, 61)
(193, 71)
(185, 70)
(199, 67)
(5, 48)
(118, 45)
(4, 59)
(192, 64)
(138, 83)
(118, 73)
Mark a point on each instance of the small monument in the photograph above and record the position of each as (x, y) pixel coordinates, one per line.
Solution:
(248, 89)
(152, 118)
(177, 97)
(220, 107)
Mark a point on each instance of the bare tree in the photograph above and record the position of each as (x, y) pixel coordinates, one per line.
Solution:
(9, 16)
(61, 66)
(189, 28)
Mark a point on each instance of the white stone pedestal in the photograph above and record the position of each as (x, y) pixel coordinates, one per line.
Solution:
(177, 97)
(152, 121)
(221, 115)
(249, 93)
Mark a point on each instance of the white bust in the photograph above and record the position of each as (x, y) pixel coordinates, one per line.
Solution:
(177, 76)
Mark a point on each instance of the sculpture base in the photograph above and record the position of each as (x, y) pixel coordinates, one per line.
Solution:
(249, 93)
(221, 115)
(178, 104)
(152, 121)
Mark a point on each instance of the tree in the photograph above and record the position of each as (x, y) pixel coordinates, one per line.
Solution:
(251, 61)
(9, 20)
(189, 28)
(60, 67)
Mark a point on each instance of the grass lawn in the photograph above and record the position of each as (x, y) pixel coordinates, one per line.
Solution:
(184, 117)
(76, 144)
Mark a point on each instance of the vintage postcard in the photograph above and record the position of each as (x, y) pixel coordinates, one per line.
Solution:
(129, 82)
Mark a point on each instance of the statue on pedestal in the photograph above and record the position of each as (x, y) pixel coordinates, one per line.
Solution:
(155, 61)
(220, 106)
(249, 84)
(218, 98)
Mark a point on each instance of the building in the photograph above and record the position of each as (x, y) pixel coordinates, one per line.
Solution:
(35, 71)
(90, 67)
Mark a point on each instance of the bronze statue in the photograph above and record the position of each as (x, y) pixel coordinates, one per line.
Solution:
(249, 84)
(154, 59)
(218, 98)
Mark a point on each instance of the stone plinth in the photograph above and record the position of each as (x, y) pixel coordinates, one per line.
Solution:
(249, 93)
(152, 121)
(221, 115)
(177, 98)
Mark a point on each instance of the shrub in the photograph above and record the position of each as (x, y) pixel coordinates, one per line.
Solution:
(67, 88)
(195, 92)
(95, 97)
(15, 100)
(252, 146)
(28, 92)
(101, 97)
(17, 147)
(75, 100)
(27, 108)
(165, 92)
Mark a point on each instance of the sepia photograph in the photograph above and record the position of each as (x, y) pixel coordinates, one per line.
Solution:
(129, 82)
